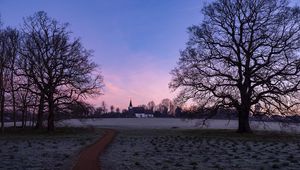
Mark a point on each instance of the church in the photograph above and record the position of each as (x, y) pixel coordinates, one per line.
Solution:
(139, 112)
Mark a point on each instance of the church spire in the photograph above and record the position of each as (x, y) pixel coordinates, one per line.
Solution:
(130, 104)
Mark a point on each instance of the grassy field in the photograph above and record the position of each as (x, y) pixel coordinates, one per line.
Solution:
(37, 149)
(201, 149)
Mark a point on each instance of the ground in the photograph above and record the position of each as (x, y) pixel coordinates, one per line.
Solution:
(155, 144)
(201, 149)
(38, 150)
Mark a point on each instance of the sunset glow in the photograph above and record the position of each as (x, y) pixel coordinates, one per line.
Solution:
(135, 42)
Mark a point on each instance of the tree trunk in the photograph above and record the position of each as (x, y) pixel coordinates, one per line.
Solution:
(2, 101)
(2, 110)
(244, 126)
(51, 114)
(245, 107)
(13, 91)
(33, 112)
(26, 116)
(23, 117)
(33, 116)
(39, 123)
(14, 108)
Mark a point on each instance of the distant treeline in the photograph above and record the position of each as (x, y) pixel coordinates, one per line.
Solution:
(81, 110)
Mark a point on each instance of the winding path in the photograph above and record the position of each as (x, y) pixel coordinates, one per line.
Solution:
(89, 157)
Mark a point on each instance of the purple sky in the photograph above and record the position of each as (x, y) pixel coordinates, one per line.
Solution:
(135, 42)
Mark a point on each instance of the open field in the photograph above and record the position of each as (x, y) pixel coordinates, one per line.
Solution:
(27, 149)
(155, 143)
(168, 123)
(201, 149)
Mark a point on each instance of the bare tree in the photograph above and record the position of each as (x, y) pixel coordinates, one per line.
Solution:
(245, 52)
(12, 47)
(112, 109)
(167, 106)
(8, 52)
(162, 109)
(103, 106)
(3, 66)
(151, 106)
(24, 98)
(99, 111)
(118, 110)
(56, 64)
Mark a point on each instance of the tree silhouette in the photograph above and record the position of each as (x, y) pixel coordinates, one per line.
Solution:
(117, 110)
(56, 64)
(245, 52)
(103, 106)
(9, 41)
(151, 106)
(112, 109)
(167, 106)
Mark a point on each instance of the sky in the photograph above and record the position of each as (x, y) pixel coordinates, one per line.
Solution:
(136, 43)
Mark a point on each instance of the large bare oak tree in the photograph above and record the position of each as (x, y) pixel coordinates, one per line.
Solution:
(244, 54)
(56, 64)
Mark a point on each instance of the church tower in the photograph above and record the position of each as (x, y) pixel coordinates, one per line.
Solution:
(130, 105)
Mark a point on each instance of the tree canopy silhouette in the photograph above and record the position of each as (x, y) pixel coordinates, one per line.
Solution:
(56, 64)
(8, 51)
(245, 53)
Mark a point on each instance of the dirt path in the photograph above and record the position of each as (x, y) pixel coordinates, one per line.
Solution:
(89, 157)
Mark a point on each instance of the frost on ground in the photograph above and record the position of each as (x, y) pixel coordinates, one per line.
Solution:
(194, 149)
(167, 123)
(44, 151)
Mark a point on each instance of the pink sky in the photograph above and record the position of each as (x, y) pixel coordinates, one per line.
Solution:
(135, 42)
(144, 83)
